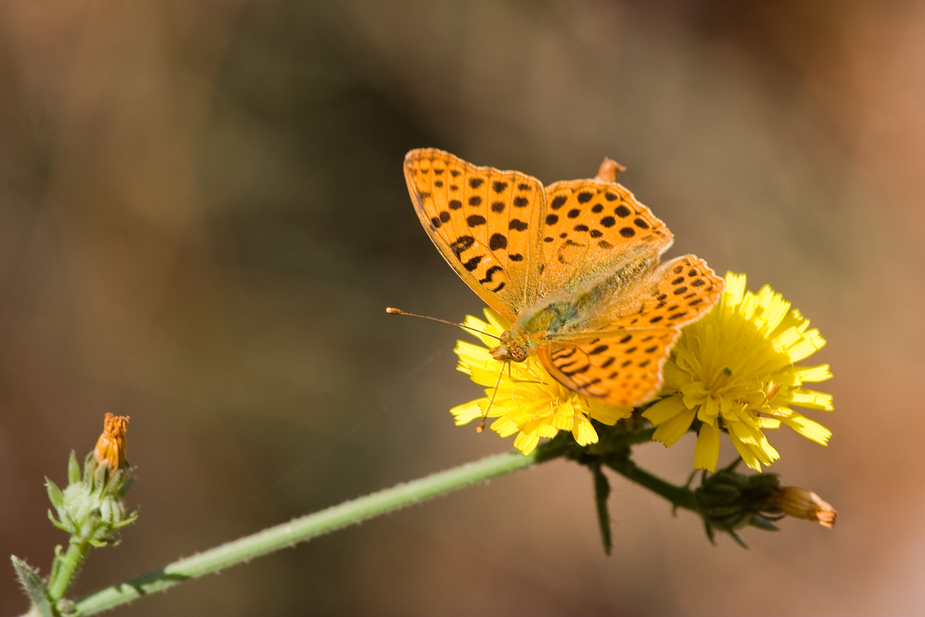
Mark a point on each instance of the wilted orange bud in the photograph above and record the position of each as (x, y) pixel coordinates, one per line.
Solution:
(800, 503)
(111, 446)
(609, 170)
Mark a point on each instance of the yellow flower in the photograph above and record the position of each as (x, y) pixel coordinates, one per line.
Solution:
(528, 399)
(111, 446)
(734, 370)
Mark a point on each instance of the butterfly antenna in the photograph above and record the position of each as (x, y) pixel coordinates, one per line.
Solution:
(481, 426)
(394, 311)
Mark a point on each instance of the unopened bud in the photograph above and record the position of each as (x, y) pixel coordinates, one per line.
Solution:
(800, 503)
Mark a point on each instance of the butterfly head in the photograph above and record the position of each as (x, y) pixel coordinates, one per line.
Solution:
(511, 347)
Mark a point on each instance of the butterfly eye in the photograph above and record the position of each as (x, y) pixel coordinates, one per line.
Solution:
(518, 354)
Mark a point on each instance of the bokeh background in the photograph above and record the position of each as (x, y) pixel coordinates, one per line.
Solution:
(202, 217)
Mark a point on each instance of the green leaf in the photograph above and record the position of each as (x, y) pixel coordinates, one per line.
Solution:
(73, 469)
(601, 493)
(34, 586)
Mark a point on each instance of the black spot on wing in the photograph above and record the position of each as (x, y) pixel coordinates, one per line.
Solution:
(517, 225)
(462, 244)
(497, 242)
(473, 263)
(490, 273)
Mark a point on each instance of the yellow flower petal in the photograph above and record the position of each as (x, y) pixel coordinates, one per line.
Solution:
(526, 442)
(670, 431)
(467, 412)
(706, 452)
(610, 414)
(584, 432)
(812, 399)
(809, 429)
(504, 427)
(814, 373)
(664, 410)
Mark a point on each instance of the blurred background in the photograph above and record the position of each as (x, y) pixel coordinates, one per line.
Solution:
(203, 216)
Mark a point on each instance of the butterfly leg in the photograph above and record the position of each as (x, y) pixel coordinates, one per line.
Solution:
(491, 401)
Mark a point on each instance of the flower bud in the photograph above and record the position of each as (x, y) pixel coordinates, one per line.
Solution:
(91, 507)
(800, 503)
(111, 446)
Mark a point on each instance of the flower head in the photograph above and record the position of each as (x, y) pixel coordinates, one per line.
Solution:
(111, 446)
(734, 370)
(527, 399)
(92, 505)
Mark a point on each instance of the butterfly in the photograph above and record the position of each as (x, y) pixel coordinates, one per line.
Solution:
(573, 266)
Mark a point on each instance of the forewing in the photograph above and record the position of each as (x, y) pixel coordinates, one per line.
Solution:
(619, 368)
(592, 228)
(485, 222)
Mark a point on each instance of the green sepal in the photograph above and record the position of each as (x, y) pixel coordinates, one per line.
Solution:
(737, 539)
(126, 486)
(55, 496)
(131, 518)
(73, 469)
(62, 525)
(762, 522)
(601, 494)
(708, 528)
(34, 587)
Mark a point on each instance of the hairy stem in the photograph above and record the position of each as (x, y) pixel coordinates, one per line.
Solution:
(66, 568)
(680, 496)
(310, 526)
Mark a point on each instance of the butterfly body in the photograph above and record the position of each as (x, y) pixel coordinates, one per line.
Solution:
(562, 317)
(573, 266)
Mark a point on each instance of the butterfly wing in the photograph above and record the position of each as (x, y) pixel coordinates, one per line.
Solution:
(619, 368)
(485, 222)
(622, 363)
(677, 293)
(593, 228)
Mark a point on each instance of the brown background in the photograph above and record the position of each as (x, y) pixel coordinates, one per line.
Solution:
(202, 217)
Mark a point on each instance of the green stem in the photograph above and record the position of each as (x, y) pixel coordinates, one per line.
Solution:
(310, 526)
(66, 568)
(680, 496)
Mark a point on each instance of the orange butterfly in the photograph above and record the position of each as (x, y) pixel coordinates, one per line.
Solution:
(573, 266)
